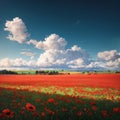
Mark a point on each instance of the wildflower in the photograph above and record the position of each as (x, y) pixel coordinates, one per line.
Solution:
(49, 111)
(14, 101)
(89, 113)
(78, 101)
(118, 98)
(64, 109)
(116, 110)
(112, 97)
(8, 113)
(93, 103)
(35, 114)
(79, 113)
(22, 112)
(104, 113)
(85, 109)
(30, 107)
(18, 104)
(43, 114)
(38, 100)
(74, 108)
(51, 100)
(94, 108)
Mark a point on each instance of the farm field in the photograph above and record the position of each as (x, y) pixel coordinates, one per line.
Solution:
(60, 97)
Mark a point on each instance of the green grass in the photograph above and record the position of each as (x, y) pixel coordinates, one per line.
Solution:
(26, 71)
(63, 107)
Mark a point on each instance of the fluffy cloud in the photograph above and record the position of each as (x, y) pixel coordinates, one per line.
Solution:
(53, 42)
(69, 58)
(110, 59)
(109, 55)
(55, 54)
(29, 54)
(60, 59)
(77, 63)
(18, 62)
(17, 30)
(6, 62)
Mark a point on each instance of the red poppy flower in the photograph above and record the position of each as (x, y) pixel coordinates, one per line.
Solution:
(79, 113)
(8, 113)
(74, 108)
(49, 111)
(22, 112)
(35, 114)
(43, 114)
(118, 98)
(89, 113)
(94, 108)
(78, 101)
(93, 103)
(104, 113)
(85, 109)
(38, 100)
(30, 107)
(64, 109)
(51, 100)
(116, 110)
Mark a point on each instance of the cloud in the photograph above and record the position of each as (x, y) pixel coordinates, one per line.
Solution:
(77, 63)
(26, 50)
(109, 59)
(18, 62)
(55, 54)
(29, 54)
(53, 42)
(59, 59)
(6, 62)
(109, 55)
(17, 30)
(75, 48)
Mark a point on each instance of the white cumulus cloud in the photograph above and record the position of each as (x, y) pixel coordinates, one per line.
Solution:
(17, 30)
(7, 62)
(77, 63)
(110, 59)
(18, 62)
(109, 55)
(29, 54)
(53, 41)
(55, 54)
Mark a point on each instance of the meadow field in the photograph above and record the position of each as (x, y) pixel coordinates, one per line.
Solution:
(60, 97)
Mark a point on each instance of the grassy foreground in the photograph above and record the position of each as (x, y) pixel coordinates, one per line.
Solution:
(21, 104)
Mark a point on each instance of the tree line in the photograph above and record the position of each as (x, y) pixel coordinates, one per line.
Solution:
(7, 72)
(46, 72)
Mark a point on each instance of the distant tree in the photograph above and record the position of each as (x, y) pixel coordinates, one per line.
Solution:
(36, 72)
(47, 72)
(117, 71)
(7, 72)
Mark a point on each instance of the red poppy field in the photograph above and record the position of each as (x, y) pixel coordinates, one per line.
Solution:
(60, 97)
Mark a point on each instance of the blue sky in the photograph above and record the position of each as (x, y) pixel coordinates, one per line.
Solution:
(70, 34)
